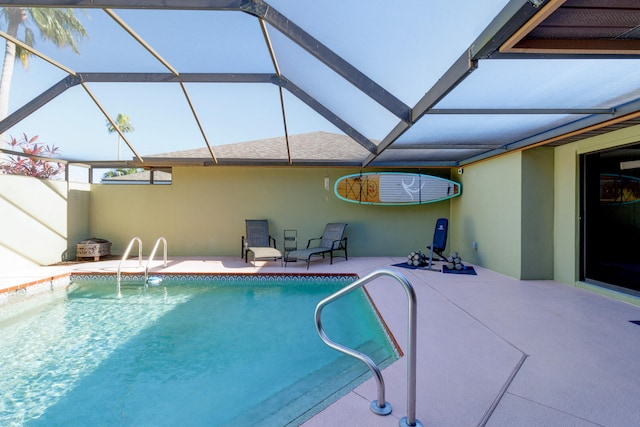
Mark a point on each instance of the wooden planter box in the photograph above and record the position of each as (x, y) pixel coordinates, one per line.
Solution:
(93, 248)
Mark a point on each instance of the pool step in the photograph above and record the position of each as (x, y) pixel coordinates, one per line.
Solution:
(315, 391)
(132, 282)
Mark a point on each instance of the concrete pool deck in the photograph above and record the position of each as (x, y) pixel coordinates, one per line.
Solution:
(492, 350)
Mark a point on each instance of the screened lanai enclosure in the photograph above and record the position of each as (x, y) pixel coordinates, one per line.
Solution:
(365, 84)
(413, 84)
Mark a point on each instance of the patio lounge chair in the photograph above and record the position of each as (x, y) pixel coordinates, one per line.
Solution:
(259, 242)
(332, 240)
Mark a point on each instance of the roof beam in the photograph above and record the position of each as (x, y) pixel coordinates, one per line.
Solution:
(35, 52)
(183, 77)
(38, 102)
(327, 114)
(624, 112)
(510, 18)
(456, 74)
(140, 40)
(331, 59)
(113, 124)
(135, 4)
(262, 10)
(198, 122)
(276, 66)
(444, 146)
(31, 156)
(163, 162)
(506, 111)
(416, 164)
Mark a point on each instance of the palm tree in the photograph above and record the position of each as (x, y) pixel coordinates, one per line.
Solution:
(59, 26)
(123, 122)
(120, 172)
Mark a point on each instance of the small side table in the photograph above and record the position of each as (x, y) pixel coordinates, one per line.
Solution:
(290, 244)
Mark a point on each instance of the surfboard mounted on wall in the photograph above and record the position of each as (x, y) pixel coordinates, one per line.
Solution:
(395, 188)
(619, 189)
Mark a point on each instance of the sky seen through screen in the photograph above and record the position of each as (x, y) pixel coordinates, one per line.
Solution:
(403, 51)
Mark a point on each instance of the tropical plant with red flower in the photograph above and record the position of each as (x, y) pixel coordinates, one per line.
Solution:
(37, 162)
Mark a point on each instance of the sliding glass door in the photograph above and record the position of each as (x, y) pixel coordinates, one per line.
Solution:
(610, 218)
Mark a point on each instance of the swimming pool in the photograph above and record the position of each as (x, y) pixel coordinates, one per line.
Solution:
(215, 351)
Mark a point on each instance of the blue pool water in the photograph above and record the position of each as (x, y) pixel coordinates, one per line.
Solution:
(196, 352)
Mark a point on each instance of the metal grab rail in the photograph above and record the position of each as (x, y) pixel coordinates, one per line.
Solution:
(380, 406)
(153, 252)
(124, 257)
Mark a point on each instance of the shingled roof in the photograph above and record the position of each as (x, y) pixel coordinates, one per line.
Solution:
(307, 148)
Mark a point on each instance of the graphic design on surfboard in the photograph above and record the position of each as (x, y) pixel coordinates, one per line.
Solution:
(619, 189)
(395, 188)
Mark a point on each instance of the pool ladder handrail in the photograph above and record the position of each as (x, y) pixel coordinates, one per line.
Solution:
(153, 253)
(125, 256)
(380, 406)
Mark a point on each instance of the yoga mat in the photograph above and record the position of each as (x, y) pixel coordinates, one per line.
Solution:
(465, 270)
(413, 267)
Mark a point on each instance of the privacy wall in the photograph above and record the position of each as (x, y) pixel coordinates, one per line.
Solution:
(518, 213)
(486, 222)
(505, 219)
(203, 212)
(39, 220)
